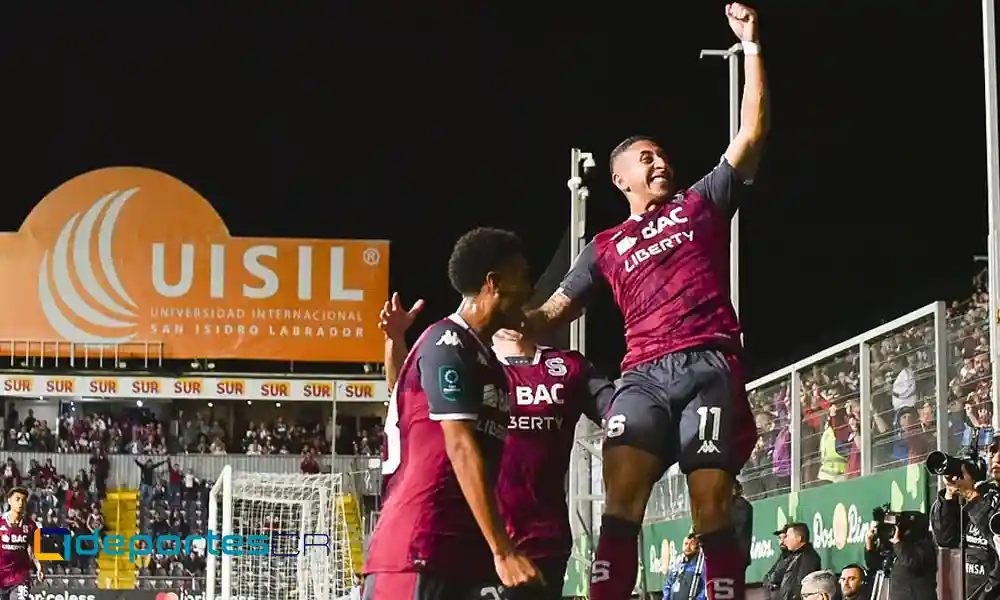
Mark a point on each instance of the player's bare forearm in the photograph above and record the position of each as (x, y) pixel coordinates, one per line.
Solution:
(37, 563)
(470, 470)
(395, 356)
(745, 150)
(558, 310)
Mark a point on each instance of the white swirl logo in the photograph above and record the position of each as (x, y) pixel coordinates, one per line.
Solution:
(73, 251)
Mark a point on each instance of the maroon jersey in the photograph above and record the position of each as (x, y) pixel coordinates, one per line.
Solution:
(426, 524)
(669, 271)
(386, 476)
(15, 538)
(550, 391)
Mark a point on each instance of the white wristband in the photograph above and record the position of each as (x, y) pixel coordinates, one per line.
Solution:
(751, 48)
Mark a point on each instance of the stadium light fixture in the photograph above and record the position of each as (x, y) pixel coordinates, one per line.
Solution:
(993, 195)
(732, 56)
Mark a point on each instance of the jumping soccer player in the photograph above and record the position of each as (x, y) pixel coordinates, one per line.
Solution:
(552, 390)
(439, 536)
(16, 555)
(682, 396)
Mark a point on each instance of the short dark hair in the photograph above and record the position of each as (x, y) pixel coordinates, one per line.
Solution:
(864, 572)
(18, 490)
(476, 254)
(625, 145)
(802, 529)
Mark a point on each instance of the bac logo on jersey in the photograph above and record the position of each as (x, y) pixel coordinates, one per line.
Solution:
(652, 230)
(449, 338)
(625, 244)
(450, 383)
(556, 367)
(529, 396)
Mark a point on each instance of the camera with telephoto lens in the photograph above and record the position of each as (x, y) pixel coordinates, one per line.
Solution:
(939, 463)
(888, 521)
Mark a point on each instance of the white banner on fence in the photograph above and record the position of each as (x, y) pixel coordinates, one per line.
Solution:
(198, 388)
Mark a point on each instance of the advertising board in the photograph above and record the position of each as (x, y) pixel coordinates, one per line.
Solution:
(193, 388)
(127, 255)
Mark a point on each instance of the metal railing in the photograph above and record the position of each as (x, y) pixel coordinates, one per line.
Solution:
(59, 353)
(124, 473)
(931, 359)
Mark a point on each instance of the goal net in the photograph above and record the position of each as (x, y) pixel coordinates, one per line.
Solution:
(295, 537)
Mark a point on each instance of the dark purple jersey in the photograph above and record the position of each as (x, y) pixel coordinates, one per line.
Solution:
(426, 524)
(15, 539)
(669, 271)
(551, 390)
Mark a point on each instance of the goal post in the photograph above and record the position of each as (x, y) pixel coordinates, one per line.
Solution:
(294, 533)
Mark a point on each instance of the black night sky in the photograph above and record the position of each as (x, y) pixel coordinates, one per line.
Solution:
(414, 122)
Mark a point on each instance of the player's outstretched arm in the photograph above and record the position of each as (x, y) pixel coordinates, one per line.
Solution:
(745, 150)
(394, 320)
(569, 301)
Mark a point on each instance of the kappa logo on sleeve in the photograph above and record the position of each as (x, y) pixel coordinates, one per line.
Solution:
(449, 338)
(451, 384)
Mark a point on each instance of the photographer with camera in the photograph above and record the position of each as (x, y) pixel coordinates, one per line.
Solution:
(899, 551)
(960, 517)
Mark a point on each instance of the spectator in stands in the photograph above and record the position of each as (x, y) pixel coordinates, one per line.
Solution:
(100, 465)
(820, 585)
(686, 578)
(854, 584)
(742, 519)
(147, 472)
(802, 560)
(310, 466)
(775, 575)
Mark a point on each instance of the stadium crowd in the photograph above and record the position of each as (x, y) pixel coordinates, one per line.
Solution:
(132, 432)
(903, 412)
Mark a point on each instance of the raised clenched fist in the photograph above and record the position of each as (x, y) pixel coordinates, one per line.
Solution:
(743, 21)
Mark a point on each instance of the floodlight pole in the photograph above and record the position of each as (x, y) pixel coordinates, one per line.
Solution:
(582, 463)
(732, 56)
(580, 163)
(992, 195)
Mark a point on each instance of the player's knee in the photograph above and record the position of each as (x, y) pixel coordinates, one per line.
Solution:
(711, 499)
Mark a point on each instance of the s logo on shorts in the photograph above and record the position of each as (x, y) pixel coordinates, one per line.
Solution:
(615, 426)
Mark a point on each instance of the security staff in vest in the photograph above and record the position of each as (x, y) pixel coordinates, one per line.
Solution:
(833, 453)
(982, 566)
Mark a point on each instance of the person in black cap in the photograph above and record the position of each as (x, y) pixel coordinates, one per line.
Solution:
(802, 560)
(772, 580)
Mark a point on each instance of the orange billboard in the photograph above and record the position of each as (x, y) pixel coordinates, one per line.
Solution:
(128, 256)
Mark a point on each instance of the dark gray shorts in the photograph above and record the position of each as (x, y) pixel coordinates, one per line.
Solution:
(689, 407)
(553, 568)
(15, 592)
(426, 586)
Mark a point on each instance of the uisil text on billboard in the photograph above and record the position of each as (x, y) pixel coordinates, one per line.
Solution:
(89, 544)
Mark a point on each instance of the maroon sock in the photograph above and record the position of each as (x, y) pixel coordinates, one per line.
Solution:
(725, 565)
(616, 565)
